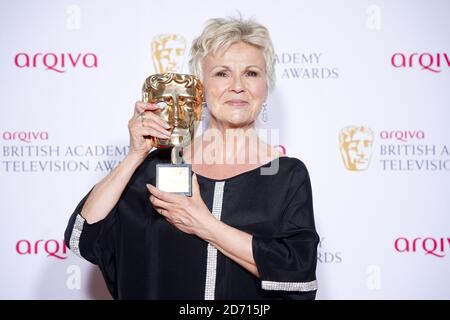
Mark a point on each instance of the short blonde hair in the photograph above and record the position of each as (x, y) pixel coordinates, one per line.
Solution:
(221, 33)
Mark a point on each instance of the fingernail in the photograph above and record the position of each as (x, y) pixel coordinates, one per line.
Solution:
(166, 125)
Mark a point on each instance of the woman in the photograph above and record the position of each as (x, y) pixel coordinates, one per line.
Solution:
(243, 234)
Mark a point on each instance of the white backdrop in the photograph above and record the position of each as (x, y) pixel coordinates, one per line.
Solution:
(381, 65)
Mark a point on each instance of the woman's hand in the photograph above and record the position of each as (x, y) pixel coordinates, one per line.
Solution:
(188, 214)
(143, 127)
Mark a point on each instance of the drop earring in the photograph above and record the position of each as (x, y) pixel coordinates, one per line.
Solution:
(204, 110)
(264, 113)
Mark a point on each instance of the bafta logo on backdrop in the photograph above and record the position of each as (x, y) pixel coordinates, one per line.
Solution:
(168, 53)
(355, 144)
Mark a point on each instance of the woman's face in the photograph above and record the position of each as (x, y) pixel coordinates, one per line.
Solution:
(235, 84)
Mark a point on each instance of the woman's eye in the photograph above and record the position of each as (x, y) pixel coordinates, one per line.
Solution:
(252, 73)
(221, 74)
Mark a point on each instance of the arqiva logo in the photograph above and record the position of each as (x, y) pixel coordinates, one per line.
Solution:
(58, 62)
(427, 61)
(402, 135)
(428, 245)
(25, 136)
(52, 248)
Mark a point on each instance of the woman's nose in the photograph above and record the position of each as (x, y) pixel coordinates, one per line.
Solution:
(236, 84)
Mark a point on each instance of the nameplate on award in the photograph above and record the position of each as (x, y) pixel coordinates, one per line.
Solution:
(174, 178)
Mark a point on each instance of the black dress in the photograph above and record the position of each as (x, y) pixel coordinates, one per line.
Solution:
(142, 256)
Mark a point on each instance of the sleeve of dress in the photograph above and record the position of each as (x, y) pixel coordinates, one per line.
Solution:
(94, 242)
(287, 260)
(90, 241)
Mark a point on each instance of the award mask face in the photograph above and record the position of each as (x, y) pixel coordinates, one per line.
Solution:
(168, 52)
(355, 144)
(179, 97)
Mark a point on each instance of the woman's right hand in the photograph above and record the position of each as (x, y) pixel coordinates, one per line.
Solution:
(143, 130)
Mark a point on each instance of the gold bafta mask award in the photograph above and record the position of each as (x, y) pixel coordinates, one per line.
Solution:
(179, 98)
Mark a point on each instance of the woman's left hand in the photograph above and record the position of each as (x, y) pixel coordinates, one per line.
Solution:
(188, 214)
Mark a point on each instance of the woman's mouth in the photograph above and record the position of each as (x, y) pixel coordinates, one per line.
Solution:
(237, 102)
